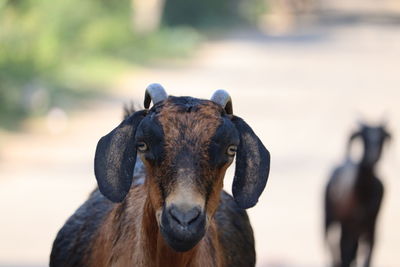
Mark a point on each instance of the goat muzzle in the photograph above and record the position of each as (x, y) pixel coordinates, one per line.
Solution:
(181, 228)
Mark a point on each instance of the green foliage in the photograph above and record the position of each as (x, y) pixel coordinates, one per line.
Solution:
(200, 13)
(211, 13)
(67, 47)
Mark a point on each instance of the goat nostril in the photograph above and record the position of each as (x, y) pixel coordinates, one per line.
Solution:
(174, 214)
(192, 215)
(184, 218)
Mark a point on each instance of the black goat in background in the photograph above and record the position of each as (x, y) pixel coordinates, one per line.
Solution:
(354, 194)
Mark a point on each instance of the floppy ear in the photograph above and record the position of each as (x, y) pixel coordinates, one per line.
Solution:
(115, 158)
(252, 166)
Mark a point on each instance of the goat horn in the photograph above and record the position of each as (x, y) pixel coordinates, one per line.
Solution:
(154, 92)
(222, 98)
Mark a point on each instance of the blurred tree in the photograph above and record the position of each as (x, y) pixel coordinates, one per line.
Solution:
(200, 13)
(212, 12)
(146, 15)
(51, 50)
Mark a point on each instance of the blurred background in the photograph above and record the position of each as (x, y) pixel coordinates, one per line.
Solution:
(301, 73)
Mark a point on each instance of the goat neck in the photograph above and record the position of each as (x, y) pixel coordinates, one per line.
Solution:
(142, 235)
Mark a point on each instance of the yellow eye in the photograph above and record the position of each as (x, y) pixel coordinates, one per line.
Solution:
(141, 146)
(231, 151)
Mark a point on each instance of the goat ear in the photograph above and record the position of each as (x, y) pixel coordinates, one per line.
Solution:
(115, 158)
(252, 166)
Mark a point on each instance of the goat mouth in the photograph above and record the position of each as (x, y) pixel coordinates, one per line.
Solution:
(182, 230)
(181, 241)
(182, 238)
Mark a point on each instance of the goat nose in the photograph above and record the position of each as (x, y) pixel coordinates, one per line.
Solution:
(184, 218)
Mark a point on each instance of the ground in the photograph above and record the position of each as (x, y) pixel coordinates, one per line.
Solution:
(302, 93)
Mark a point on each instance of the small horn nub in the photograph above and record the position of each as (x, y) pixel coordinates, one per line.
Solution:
(222, 98)
(154, 92)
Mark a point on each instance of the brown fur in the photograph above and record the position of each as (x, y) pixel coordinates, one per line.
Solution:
(130, 237)
(194, 131)
(175, 201)
(198, 126)
(344, 209)
(130, 234)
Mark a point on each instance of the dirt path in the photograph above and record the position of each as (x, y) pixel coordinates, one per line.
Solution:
(301, 93)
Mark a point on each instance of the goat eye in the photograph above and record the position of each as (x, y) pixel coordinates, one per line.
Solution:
(141, 146)
(231, 151)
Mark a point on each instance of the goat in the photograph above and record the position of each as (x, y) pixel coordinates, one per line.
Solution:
(175, 212)
(353, 197)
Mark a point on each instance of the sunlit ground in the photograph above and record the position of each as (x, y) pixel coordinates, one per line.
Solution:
(301, 93)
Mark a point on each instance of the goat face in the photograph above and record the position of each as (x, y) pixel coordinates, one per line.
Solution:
(373, 138)
(186, 145)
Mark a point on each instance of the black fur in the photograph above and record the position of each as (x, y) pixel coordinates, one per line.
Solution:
(225, 136)
(187, 103)
(115, 158)
(129, 109)
(73, 240)
(151, 132)
(252, 166)
(235, 233)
